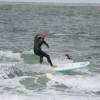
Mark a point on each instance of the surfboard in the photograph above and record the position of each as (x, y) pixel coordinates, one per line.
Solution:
(71, 66)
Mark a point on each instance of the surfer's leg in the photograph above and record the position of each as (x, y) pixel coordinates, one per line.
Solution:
(47, 56)
(38, 53)
(49, 60)
(41, 59)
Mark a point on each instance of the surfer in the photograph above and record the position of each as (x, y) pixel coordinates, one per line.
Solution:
(38, 42)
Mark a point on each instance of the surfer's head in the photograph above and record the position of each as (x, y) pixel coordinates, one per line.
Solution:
(42, 34)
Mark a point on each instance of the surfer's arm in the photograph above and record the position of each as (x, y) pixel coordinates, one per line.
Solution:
(46, 43)
(43, 41)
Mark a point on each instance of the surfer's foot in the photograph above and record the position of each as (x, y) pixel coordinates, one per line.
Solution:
(53, 65)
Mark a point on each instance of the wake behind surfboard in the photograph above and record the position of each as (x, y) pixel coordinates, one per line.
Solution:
(71, 66)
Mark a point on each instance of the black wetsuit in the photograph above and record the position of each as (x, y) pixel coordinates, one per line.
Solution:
(38, 41)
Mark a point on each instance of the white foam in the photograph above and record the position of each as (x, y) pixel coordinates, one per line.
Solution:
(45, 97)
(31, 95)
(14, 84)
(10, 54)
(8, 64)
(28, 52)
(78, 82)
(62, 60)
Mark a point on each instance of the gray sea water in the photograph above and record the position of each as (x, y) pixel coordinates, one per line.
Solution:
(73, 30)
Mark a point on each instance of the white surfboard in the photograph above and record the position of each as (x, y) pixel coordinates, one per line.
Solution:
(71, 66)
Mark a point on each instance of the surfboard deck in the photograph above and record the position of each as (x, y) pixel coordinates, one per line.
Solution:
(71, 66)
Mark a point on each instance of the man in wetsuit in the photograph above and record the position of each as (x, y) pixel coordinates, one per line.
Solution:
(38, 42)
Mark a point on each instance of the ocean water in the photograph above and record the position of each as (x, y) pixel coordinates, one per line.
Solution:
(73, 30)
